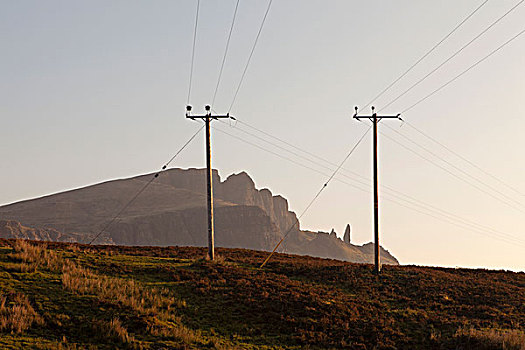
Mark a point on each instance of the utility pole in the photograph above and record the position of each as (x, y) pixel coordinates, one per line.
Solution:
(375, 119)
(207, 118)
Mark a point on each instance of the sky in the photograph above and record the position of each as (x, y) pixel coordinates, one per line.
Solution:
(96, 90)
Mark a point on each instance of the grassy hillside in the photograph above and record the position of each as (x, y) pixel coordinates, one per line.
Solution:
(72, 296)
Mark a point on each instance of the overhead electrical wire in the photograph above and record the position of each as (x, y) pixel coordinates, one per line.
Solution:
(461, 223)
(288, 144)
(225, 53)
(389, 190)
(399, 197)
(299, 156)
(269, 151)
(454, 166)
(143, 188)
(426, 54)
(463, 158)
(332, 163)
(466, 226)
(193, 49)
(300, 149)
(509, 239)
(451, 81)
(251, 55)
(447, 215)
(451, 173)
(316, 196)
(464, 72)
(453, 55)
(282, 148)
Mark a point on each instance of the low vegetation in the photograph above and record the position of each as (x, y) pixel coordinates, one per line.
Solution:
(71, 296)
(19, 315)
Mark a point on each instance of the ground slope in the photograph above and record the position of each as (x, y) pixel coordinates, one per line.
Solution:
(74, 296)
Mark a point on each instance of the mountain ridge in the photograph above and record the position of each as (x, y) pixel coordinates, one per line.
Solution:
(172, 212)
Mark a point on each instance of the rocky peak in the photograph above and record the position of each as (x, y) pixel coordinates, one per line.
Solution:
(240, 189)
(346, 237)
(241, 179)
(191, 179)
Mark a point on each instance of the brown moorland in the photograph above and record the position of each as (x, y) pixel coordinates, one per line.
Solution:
(64, 295)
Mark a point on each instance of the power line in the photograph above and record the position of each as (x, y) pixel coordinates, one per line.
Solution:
(193, 49)
(285, 149)
(285, 142)
(396, 194)
(431, 210)
(460, 222)
(316, 196)
(463, 158)
(269, 151)
(407, 72)
(290, 160)
(426, 54)
(435, 212)
(453, 55)
(507, 238)
(447, 215)
(454, 166)
(300, 149)
(451, 173)
(225, 53)
(251, 54)
(126, 206)
(297, 155)
(464, 72)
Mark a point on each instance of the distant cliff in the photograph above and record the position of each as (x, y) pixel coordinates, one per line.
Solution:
(238, 189)
(172, 211)
(13, 229)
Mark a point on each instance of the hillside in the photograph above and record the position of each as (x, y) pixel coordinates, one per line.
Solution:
(172, 211)
(74, 296)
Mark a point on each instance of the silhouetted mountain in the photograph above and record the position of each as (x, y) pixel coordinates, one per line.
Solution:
(172, 211)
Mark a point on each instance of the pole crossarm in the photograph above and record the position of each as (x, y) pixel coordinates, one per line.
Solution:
(379, 117)
(204, 116)
(208, 114)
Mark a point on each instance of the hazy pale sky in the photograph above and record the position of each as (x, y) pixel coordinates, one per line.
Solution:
(95, 90)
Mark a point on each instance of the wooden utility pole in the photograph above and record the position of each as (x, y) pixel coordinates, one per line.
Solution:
(375, 119)
(207, 118)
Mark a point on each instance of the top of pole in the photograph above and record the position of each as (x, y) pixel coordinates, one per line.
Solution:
(374, 115)
(208, 114)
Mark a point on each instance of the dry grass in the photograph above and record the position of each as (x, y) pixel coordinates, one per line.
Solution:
(494, 338)
(35, 256)
(64, 345)
(84, 281)
(17, 314)
(114, 330)
(146, 301)
(117, 290)
(25, 267)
